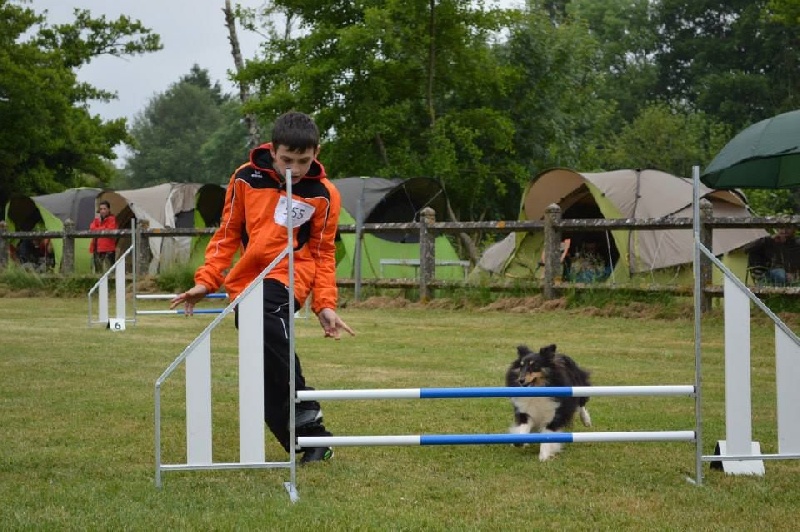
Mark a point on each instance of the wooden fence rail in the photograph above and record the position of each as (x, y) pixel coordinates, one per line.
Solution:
(428, 229)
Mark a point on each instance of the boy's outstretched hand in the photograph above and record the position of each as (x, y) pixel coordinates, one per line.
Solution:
(332, 323)
(189, 298)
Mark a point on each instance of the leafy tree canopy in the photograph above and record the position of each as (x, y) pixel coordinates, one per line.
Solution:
(734, 60)
(49, 140)
(668, 140)
(192, 133)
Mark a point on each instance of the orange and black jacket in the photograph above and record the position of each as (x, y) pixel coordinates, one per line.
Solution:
(254, 217)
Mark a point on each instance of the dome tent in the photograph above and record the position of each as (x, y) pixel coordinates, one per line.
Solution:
(165, 205)
(634, 255)
(208, 205)
(49, 212)
(384, 200)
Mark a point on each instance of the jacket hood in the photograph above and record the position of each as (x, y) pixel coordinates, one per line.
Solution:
(261, 158)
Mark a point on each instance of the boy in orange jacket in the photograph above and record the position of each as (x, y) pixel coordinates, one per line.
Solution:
(254, 216)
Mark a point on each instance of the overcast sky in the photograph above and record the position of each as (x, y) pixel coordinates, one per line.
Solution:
(192, 31)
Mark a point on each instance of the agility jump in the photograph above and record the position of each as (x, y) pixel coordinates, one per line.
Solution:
(101, 289)
(197, 357)
(738, 453)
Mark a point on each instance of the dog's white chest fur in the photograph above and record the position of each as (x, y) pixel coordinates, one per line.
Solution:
(540, 411)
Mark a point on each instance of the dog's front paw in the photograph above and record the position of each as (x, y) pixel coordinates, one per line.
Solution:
(519, 429)
(585, 417)
(548, 451)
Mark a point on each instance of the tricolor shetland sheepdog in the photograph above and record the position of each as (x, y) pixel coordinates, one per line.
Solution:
(546, 414)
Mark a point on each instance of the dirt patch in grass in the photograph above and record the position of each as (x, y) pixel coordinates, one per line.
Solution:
(532, 305)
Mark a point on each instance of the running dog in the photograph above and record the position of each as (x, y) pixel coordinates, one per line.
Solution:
(546, 414)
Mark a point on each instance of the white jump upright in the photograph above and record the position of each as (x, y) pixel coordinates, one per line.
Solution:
(738, 454)
(101, 289)
(738, 409)
(197, 357)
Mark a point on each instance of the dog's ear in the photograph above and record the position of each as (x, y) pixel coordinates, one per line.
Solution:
(548, 351)
(522, 350)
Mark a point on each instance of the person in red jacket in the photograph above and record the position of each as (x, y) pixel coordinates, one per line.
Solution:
(103, 249)
(254, 218)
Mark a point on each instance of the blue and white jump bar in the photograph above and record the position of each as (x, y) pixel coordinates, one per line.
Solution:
(486, 439)
(215, 295)
(461, 393)
(181, 311)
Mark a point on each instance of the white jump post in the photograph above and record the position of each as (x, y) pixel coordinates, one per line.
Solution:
(787, 370)
(738, 454)
(101, 288)
(738, 409)
(197, 357)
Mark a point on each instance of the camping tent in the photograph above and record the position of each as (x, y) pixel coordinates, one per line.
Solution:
(49, 212)
(208, 204)
(660, 256)
(380, 200)
(167, 205)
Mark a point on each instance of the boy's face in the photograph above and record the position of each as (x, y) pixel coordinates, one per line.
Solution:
(297, 161)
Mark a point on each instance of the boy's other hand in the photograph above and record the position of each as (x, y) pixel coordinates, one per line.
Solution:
(332, 324)
(189, 298)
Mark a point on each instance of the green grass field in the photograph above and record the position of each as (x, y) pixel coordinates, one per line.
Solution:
(77, 448)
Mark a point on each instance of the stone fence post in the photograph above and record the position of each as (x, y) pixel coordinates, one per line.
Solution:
(68, 253)
(552, 246)
(427, 253)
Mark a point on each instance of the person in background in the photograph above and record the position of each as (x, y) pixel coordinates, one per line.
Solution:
(255, 217)
(775, 259)
(103, 249)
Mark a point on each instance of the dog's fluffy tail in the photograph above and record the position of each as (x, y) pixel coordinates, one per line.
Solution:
(579, 377)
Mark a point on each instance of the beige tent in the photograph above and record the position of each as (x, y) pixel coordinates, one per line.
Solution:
(166, 205)
(657, 255)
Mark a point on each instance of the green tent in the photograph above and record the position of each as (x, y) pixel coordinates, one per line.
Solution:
(628, 256)
(381, 200)
(49, 212)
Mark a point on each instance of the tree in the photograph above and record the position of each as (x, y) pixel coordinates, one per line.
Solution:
(398, 88)
(668, 140)
(729, 59)
(228, 146)
(627, 38)
(785, 12)
(191, 133)
(553, 98)
(49, 141)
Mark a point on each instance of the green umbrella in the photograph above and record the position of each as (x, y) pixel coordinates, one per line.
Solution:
(765, 155)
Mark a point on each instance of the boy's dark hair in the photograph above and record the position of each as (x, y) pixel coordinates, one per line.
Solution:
(104, 202)
(297, 131)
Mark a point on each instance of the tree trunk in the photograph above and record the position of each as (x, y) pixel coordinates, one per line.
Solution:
(472, 249)
(244, 92)
(431, 62)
